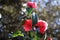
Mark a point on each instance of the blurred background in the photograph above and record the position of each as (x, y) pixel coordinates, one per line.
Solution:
(10, 13)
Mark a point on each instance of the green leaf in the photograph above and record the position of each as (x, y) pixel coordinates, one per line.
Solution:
(34, 18)
(18, 33)
(30, 10)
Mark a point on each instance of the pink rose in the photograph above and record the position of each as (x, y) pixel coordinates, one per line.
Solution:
(27, 25)
(42, 25)
(32, 4)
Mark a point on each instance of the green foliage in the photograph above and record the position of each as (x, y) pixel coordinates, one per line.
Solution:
(18, 33)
